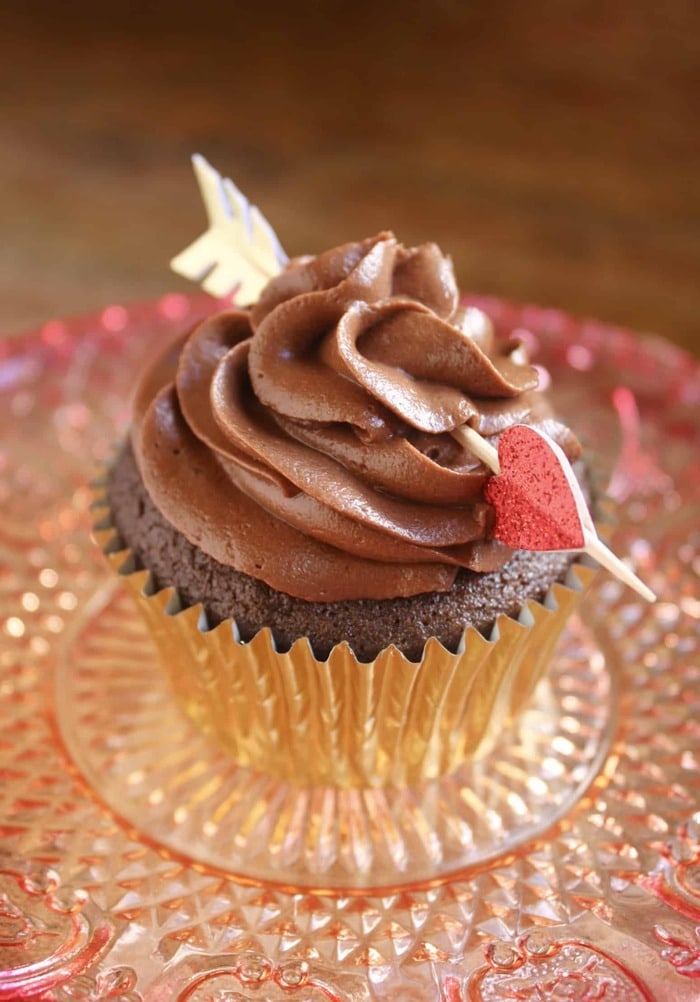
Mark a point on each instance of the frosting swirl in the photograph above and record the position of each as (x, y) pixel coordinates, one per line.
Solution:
(306, 441)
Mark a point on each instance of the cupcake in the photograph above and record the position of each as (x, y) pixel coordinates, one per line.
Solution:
(308, 537)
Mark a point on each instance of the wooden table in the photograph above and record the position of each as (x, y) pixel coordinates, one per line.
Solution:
(552, 148)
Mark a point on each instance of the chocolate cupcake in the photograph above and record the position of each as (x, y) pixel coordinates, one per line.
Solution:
(310, 542)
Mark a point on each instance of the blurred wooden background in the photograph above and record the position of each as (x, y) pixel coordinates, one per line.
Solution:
(553, 148)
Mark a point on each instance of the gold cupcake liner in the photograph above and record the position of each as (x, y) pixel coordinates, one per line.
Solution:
(342, 722)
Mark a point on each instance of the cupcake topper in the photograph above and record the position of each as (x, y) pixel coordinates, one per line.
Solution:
(539, 504)
(239, 251)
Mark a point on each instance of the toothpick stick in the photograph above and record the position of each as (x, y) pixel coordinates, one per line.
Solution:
(595, 548)
(482, 449)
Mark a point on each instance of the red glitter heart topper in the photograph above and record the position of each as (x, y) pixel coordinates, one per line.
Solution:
(536, 497)
(538, 501)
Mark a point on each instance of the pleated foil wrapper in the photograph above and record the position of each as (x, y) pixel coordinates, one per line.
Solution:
(342, 722)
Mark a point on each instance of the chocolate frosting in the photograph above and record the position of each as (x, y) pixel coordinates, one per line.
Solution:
(306, 441)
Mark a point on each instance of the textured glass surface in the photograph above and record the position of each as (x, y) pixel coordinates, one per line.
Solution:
(137, 863)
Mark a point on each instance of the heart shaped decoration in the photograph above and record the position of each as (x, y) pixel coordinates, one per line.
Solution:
(537, 500)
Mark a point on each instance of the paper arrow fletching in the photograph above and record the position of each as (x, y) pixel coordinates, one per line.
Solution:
(239, 250)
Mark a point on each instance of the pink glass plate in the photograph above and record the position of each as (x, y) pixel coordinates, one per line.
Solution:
(136, 865)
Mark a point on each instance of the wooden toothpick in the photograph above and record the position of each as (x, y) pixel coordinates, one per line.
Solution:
(473, 442)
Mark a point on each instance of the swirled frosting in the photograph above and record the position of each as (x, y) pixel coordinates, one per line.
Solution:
(306, 441)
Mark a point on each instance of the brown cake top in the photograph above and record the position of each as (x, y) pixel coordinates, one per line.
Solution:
(307, 441)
